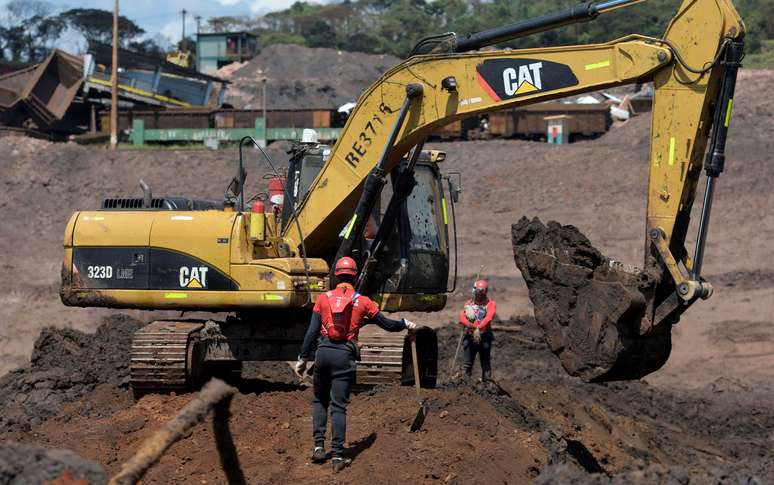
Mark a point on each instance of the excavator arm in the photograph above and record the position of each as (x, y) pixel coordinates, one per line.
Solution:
(457, 85)
(693, 70)
(446, 88)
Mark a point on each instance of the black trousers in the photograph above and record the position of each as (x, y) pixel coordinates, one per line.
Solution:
(334, 376)
(483, 349)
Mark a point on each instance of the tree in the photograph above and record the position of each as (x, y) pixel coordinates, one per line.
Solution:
(321, 34)
(97, 25)
(17, 11)
(147, 47)
(15, 42)
(30, 30)
(394, 26)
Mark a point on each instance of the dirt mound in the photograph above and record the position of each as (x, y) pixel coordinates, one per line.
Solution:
(272, 434)
(66, 364)
(633, 133)
(30, 465)
(303, 78)
(568, 474)
(535, 421)
(590, 312)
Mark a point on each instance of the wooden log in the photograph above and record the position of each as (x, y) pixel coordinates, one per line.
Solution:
(193, 413)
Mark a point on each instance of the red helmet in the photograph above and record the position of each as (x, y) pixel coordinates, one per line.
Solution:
(480, 288)
(346, 265)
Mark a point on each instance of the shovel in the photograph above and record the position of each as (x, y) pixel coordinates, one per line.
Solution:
(419, 419)
(453, 363)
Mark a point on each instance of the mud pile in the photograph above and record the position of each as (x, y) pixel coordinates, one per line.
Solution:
(535, 422)
(30, 465)
(589, 311)
(622, 432)
(300, 77)
(65, 365)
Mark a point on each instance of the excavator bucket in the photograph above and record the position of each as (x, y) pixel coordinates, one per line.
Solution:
(589, 311)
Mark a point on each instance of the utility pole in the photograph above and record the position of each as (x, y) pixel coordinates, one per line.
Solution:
(198, 19)
(263, 99)
(114, 83)
(183, 43)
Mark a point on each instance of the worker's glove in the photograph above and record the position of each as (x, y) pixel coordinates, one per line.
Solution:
(477, 335)
(301, 366)
(470, 313)
(410, 326)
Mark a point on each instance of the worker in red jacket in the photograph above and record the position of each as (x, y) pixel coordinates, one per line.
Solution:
(476, 316)
(333, 330)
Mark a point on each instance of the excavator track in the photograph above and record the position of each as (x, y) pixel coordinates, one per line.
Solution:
(164, 357)
(381, 357)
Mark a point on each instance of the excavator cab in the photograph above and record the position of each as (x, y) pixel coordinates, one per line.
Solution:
(411, 270)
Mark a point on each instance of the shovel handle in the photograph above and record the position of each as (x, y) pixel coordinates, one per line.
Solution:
(415, 363)
(453, 363)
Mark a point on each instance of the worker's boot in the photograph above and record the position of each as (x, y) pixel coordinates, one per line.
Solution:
(318, 455)
(486, 375)
(340, 463)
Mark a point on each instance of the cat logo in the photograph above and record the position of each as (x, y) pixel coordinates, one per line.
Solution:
(512, 77)
(193, 277)
(526, 80)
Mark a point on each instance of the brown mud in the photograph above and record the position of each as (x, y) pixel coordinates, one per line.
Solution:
(535, 422)
(65, 365)
(590, 312)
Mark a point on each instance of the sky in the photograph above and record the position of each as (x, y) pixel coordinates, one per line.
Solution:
(163, 16)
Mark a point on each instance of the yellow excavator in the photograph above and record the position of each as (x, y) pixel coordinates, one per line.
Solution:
(267, 268)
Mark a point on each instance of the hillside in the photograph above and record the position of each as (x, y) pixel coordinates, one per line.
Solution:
(303, 78)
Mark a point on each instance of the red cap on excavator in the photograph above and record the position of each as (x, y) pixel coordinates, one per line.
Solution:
(346, 265)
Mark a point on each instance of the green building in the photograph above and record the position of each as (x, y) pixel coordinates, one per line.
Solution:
(216, 50)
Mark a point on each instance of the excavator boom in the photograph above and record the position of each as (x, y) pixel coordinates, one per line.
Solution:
(693, 70)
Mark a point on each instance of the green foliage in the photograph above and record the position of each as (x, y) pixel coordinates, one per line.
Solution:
(29, 32)
(320, 34)
(147, 47)
(30, 29)
(97, 25)
(269, 37)
(763, 59)
(394, 26)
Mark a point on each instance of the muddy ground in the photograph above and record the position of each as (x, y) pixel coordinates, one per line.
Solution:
(706, 414)
(539, 423)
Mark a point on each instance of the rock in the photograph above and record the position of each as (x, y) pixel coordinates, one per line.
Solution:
(30, 465)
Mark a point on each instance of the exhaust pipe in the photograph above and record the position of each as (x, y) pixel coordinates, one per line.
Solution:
(147, 195)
